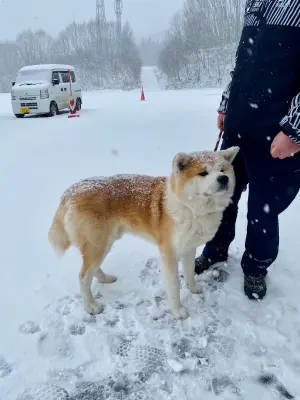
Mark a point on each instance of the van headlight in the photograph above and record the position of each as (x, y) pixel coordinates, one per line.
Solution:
(44, 94)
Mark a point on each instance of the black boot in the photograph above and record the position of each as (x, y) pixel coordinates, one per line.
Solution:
(203, 263)
(255, 287)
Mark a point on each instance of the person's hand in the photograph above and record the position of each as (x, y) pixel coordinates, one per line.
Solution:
(282, 146)
(220, 121)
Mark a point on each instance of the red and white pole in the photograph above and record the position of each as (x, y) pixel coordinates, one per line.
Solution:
(72, 110)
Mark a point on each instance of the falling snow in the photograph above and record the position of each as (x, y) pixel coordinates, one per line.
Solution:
(51, 347)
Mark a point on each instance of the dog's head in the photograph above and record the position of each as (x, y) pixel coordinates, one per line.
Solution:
(200, 175)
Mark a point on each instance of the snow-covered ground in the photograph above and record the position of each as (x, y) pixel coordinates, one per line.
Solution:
(45, 336)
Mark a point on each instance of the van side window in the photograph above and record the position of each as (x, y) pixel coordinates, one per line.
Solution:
(55, 75)
(64, 75)
(73, 76)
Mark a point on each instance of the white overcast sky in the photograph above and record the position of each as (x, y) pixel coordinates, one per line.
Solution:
(147, 17)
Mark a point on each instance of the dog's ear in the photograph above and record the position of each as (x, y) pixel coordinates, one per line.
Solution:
(180, 162)
(230, 154)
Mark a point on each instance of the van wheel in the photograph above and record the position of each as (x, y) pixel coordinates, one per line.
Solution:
(53, 109)
(20, 115)
(78, 104)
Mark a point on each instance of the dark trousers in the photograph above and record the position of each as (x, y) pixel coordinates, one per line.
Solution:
(273, 185)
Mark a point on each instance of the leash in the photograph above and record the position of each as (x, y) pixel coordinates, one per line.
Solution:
(218, 141)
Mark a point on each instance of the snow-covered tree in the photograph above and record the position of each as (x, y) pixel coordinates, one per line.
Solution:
(200, 44)
(102, 59)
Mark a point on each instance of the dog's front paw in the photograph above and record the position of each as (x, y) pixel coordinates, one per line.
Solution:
(195, 288)
(180, 313)
(107, 278)
(93, 308)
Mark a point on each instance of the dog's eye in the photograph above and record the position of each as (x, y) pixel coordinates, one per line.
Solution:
(222, 170)
(204, 173)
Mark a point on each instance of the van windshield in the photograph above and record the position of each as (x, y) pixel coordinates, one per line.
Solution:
(32, 77)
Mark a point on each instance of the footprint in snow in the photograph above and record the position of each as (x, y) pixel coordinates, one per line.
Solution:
(130, 396)
(29, 328)
(185, 348)
(216, 277)
(221, 383)
(55, 344)
(120, 383)
(63, 309)
(182, 347)
(225, 345)
(89, 319)
(145, 360)
(77, 329)
(150, 275)
(120, 306)
(212, 328)
(91, 391)
(121, 347)
(65, 304)
(117, 388)
(5, 368)
(44, 392)
(112, 322)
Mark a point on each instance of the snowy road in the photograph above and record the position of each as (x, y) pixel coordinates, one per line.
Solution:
(149, 79)
(227, 341)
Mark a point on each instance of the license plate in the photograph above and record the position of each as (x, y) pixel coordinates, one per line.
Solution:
(24, 110)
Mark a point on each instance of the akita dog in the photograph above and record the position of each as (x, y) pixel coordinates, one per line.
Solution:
(178, 214)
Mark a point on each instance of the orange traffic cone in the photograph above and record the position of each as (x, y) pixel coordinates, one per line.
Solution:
(143, 95)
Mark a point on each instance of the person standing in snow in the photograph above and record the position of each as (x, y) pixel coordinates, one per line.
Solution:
(260, 113)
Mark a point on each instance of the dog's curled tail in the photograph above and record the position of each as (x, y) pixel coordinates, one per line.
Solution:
(57, 235)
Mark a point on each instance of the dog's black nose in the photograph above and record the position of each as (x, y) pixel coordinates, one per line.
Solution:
(223, 180)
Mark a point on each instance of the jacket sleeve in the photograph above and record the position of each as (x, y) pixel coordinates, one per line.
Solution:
(225, 95)
(290, 124)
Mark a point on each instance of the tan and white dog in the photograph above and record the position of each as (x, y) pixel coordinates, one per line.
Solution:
(178, 214)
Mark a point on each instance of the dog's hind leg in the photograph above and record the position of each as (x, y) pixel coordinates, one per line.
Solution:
(171, 278)
(188, 266)
(93, 257)
(101, 276)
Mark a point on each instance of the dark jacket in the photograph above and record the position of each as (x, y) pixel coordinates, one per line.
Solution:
(263, 96)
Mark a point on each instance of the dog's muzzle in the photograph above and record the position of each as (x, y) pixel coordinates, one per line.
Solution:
(223, 181)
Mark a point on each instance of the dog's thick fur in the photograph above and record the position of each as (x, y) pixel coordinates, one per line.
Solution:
(178, 214)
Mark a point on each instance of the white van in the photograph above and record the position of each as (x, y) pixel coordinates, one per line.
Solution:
(44, 89)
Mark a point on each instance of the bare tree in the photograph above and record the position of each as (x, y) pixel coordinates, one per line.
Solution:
(200, 44)
(173, 57)
(10, 60)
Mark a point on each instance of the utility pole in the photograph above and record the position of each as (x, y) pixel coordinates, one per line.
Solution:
(118, 11)
(100, 29)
